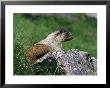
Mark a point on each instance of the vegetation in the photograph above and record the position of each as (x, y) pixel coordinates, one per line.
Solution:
(29, 30)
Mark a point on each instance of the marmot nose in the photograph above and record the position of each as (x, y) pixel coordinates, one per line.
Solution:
(68, 34)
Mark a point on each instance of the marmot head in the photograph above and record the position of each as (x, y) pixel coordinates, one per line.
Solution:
(63, 35)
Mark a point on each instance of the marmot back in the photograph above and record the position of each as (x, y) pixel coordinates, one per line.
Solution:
(36, 52)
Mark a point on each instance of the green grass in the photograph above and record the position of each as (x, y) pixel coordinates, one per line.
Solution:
(28, 31)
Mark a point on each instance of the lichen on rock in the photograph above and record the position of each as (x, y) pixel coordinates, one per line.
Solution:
(74, 62)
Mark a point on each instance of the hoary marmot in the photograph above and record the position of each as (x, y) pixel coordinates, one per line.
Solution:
(53, 42)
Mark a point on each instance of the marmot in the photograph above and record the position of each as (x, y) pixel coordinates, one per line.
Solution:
(53, 42)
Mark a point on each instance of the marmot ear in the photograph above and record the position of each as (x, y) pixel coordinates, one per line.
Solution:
(61, 30)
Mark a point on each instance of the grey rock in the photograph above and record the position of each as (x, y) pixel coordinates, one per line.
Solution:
(75, 62)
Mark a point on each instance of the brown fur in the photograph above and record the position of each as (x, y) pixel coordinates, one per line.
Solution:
(36, 52)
